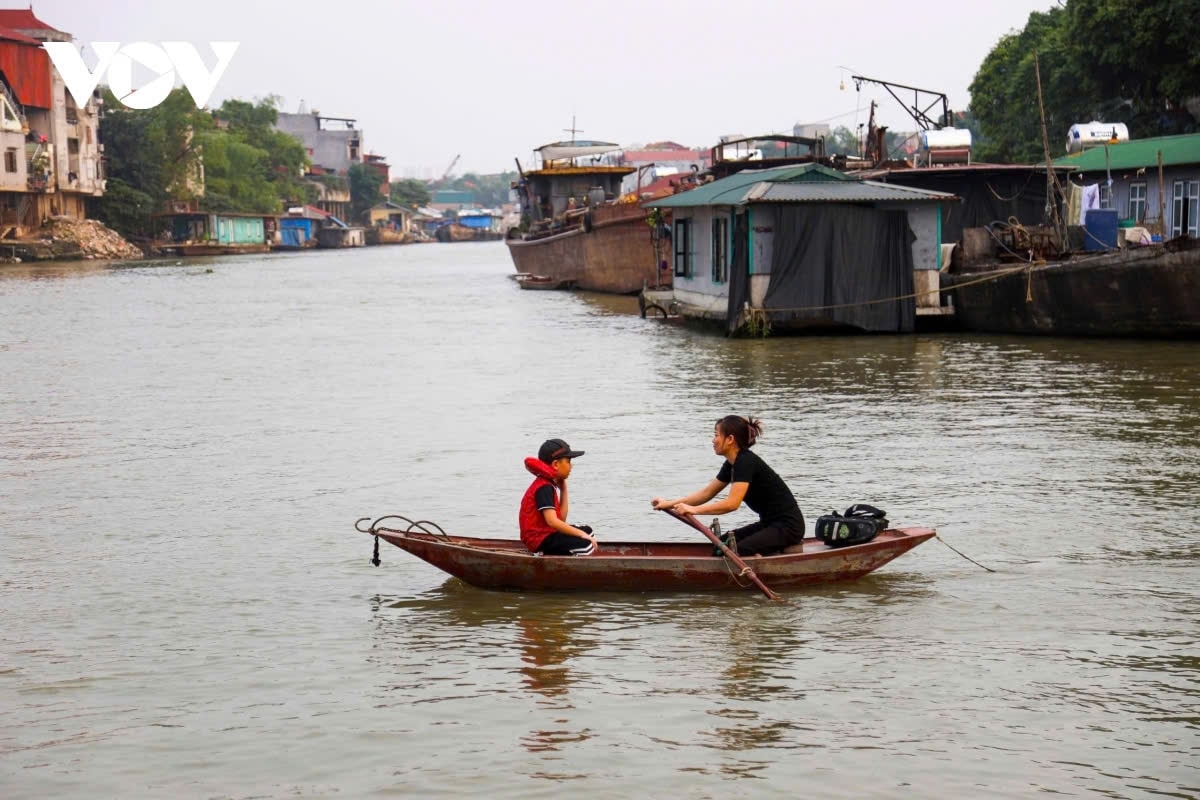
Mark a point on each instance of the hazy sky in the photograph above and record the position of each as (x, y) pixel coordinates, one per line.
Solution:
(491, 81)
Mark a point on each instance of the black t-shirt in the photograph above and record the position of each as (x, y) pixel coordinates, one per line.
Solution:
(767, 495)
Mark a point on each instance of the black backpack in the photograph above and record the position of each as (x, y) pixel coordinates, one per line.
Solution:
(858, 525)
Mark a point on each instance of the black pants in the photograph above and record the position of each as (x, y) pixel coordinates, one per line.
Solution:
(564, 544)
(765, 538)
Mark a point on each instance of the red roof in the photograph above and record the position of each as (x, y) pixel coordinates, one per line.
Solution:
(13, 36)
(22, 19)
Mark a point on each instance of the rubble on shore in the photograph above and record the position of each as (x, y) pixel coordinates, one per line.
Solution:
(67, 239)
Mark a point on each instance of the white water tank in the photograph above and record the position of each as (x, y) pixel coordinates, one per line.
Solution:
(946, 145)
(1083, 135)
(946, 138)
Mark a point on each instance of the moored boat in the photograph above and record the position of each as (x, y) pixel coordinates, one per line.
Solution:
(576, 228)
(541, 282)
(506, 564)
(1148, 291)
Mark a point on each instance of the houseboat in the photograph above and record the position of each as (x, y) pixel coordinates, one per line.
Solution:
(214, 233)
(801, 248)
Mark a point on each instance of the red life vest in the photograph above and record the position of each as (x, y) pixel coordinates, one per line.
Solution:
(534, 528)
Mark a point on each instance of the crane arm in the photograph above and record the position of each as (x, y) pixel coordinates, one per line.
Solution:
(919, 114)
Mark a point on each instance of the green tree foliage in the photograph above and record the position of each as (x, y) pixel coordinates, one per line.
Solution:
(255, 167)
(842, 141)
(1130, 61)
(151, 155)
(410, 192)
(365, 190)
(1004, 95)
(489, 190)
(159, 154)
(237, 176)
(1144, 58)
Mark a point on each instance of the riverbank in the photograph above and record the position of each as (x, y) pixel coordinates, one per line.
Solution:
(64, 239)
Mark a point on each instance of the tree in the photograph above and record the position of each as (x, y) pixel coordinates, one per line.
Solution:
(1004, 94)
(151, 155)
(276, 169)
(842, 141)
(364, 189)
(488, 190)
(1143, 57)
(1130, 61)
(410, 192)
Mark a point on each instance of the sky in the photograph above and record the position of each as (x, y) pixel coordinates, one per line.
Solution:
(489, 82)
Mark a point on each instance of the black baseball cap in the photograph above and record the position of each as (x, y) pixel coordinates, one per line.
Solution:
(553, 449)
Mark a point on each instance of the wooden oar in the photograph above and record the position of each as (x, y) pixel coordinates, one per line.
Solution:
(732, 556)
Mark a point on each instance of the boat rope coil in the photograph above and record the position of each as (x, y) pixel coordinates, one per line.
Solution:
(422, 525)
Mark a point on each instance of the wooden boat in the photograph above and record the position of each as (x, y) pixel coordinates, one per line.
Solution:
(638, 566)
(529, 281)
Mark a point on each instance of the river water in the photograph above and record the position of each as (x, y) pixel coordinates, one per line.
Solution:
(187, 611)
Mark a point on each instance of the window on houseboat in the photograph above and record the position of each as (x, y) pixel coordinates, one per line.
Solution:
(720, 249)
(1137, 201)
(1186, 207)
(683, 248)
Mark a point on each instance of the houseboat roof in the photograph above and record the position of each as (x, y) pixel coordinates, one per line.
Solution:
(1136, 154)
(806, 183)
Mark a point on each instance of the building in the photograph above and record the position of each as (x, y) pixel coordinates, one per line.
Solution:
(1155, 182)
(334, 144)
(51, 145)
(803, 248)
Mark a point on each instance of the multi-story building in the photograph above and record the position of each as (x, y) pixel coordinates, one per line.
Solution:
(334, 144)
(50, 145)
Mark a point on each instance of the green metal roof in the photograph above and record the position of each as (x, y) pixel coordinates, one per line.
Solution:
(1183, 149)
(809, 183)
(731, 191)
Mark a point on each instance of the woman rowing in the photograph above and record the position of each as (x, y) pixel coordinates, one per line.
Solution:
(780, 522)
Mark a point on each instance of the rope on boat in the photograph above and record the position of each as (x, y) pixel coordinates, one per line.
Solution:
(968, 558)
(422, 525)
(991, 276)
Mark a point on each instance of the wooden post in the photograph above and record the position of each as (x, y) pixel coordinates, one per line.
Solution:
(1162, 200)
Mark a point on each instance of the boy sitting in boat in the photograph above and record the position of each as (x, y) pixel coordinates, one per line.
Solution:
(544, 527)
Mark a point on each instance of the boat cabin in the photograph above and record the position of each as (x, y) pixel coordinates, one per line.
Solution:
(572, 177)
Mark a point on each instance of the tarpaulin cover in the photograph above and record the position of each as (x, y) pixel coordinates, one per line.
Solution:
(986, 197)
(829, 255)
(739, 270)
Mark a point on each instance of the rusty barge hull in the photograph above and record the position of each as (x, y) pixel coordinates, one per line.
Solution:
(612, 251)
(505, 564)
(1150, 291)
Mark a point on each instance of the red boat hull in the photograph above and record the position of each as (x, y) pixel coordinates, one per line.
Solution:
(647, 566)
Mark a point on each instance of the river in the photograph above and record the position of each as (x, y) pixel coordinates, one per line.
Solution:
(187, 611)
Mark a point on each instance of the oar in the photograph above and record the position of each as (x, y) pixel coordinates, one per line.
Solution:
(732, 556)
